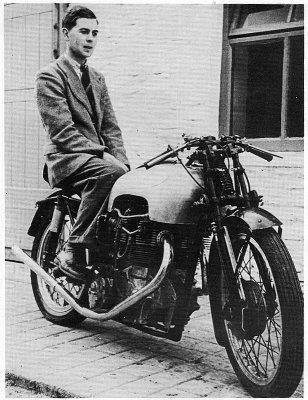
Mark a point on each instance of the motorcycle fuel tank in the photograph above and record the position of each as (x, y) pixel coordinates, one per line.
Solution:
(168, 189)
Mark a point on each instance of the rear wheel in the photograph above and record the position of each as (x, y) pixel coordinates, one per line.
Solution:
(263, 332)
(51, 304)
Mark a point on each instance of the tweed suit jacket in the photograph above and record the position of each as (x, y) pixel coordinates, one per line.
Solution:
(75, 133)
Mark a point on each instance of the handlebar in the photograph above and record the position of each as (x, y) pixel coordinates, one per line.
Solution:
(167, 154)
(217, 145)
(261, 153)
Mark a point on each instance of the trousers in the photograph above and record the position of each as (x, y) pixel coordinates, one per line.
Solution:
(92, 182)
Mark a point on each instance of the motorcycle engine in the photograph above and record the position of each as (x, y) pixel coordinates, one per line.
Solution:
(132, 258)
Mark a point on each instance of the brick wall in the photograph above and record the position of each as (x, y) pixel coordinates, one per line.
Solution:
(162, 67)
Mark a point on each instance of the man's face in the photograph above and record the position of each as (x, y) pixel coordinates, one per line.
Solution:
(82, 38)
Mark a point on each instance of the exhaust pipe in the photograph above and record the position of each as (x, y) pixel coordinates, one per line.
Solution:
(119, 308)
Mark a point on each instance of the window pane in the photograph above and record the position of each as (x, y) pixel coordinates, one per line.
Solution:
(298, 13)
(260, 14)
(295, 124)
(257, 83)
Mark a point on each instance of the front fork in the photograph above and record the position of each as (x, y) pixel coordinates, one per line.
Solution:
(235, 264)
(220, 232)
(234, 306)
(228, 262)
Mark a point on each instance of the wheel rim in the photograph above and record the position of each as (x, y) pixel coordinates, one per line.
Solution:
(257, 356)
(55, 304)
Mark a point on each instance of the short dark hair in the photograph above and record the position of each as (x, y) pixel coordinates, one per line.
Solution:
(74, 13)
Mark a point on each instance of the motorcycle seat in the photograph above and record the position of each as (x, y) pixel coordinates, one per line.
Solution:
(68, 192)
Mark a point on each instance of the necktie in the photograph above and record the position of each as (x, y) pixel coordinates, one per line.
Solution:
(85, 80)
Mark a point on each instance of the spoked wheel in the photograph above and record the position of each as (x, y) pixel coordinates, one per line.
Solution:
(262, 329)
(51, 304)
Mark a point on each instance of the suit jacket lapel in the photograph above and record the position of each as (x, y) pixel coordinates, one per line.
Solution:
(74, 83)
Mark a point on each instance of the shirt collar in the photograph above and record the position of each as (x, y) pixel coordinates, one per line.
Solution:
(74, 63)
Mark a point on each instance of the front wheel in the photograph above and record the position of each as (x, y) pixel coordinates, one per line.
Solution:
(262, 329)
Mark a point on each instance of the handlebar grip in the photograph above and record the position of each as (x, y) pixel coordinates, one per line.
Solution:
(159, 159)
(260, 153)
(167, 154)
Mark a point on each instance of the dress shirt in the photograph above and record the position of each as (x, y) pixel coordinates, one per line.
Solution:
(74, 64)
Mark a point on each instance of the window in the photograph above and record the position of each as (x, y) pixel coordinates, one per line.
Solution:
(257, 75)
(263, 71)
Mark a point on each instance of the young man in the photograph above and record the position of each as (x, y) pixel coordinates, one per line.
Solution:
(85, 150)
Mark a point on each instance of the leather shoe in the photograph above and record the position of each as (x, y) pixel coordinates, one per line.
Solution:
(72, 262)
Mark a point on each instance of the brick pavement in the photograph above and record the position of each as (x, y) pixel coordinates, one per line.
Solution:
(101, 359)
(110, 360)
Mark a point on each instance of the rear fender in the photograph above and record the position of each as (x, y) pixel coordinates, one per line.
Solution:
(45, 207)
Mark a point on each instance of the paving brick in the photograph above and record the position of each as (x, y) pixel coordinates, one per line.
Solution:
(102, 365)
(136, 355)
(113, 347)
(64, 348)
(106, 331)
(142, 387)
(141, 369)
(189, 368)
(66, 361)
(49, 354)
(26, 317)
(89, 370)
(89, 389)
(118, 361)
(91, 353)
(114, 379)
(118, 392)
(214, 375)
(199, 387)
(171, 378)
(163, 361)
(82, 343)
(229, 391)
(60, 379)
(173, 392)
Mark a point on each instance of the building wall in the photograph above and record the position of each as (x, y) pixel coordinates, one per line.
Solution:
(28, 30)
(162, 67)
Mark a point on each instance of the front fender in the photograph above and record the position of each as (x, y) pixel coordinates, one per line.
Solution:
(256, 218)
(244, 221)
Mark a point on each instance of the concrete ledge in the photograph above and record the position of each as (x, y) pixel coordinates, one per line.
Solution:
(278, 144)
(38, 387)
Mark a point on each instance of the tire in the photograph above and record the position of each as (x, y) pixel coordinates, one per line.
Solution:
(264, 336)
(52, 305)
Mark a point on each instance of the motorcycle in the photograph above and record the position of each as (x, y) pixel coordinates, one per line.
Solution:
(163, 222)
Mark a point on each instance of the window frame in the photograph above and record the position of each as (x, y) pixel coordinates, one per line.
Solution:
(237, 37)
(259, 29)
